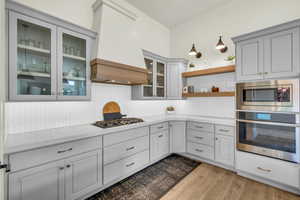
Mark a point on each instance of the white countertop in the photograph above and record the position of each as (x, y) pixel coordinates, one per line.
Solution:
(32, 140)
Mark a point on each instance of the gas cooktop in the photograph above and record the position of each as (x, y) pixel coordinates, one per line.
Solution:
(117, 122)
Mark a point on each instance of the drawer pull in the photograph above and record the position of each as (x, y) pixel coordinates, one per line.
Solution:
(264, 170)
(61, 168)
(199, 150)
(160, 127)
(130, 148)
(129, 165)
(68, 166)
(64, 151)
(160, 136)
(200, 138)
(223, 130)
(199, 126)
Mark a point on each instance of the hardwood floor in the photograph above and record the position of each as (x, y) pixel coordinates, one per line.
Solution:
(208, 182)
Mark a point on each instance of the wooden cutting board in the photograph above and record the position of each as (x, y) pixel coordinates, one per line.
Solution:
(111, 107)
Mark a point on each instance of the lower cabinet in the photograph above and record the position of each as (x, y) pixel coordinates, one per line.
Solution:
(66, 179)
(177, 137)
(224, 150)
(45, 182)
(83, 174)
(159, 145)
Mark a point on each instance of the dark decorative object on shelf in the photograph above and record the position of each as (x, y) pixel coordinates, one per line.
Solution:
(215, 89)
(193, 52)
(221, 46)
(151, 183)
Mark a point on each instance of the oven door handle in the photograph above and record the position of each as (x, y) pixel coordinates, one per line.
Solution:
(269, 123)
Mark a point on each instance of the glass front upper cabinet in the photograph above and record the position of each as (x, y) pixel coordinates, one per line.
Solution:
(32, 59)
(155, 88)
(73, 57)
(46, 62)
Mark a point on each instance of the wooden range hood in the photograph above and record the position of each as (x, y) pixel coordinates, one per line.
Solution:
(104, 71)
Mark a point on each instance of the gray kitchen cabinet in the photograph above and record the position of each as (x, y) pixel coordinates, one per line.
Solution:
(224, 150)
(177, 137)
(44, 182)
(32, 59)
(159, 145)
(73, 65)
(249, 59)
(281, 53)
(155, 89)
(48, 57)
(175, 82)
(83, 174)
(268, 54)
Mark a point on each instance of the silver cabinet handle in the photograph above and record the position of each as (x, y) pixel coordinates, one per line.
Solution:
(199, 150)
(68, 166)
(61, 168)
(223, 130)
(264, 170)
(161, 127)
(199, 126)
(129, 165)
(130, 148)
(200, 138)
(160, 136)
(64, 151)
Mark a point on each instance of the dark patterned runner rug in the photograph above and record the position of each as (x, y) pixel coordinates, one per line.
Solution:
(150, 183)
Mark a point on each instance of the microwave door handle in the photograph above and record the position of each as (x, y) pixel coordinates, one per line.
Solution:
(268, 123)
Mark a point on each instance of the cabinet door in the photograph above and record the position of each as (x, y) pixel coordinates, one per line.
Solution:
(148, 90)
(178, 137)
(160, 79)
(224, 150)
(159, 145)
(282, 54)
(249, 60)
(73, 66)
(45, 182)
(83, 174)
(174, 80)
(32, 59)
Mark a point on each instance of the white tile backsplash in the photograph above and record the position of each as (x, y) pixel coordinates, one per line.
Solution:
(32, 116)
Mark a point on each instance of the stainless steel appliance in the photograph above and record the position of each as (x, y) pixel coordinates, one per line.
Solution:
(117, 122)
(271, 134)
(273, 95)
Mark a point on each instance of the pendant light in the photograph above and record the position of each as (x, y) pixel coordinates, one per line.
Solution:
(193, 51)
(221, 46)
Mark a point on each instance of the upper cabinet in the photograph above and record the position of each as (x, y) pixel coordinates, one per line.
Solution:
(269, 54)
(48, 58)
(164, 79)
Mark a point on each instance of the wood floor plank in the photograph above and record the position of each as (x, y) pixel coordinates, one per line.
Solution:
(208, 182)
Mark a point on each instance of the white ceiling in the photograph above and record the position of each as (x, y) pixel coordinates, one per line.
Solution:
(173, 12)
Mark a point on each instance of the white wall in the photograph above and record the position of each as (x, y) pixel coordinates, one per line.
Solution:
(31, 116)
(233, 18)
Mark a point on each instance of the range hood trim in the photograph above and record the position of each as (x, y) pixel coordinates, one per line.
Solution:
(105, 71)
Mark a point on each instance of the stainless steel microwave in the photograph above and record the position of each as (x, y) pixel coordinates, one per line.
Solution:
(273, 95)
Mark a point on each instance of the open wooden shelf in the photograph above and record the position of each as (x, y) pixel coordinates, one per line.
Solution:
(209, 94)
(217, 70)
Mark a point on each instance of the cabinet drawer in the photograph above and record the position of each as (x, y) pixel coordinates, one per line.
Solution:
(200, 137)
(125, 149)
(272, 169)
(32, 158)
(159, 127)
(122, 168)
(200, 150)
(116, 138)
(201, 126)
(225, 130)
